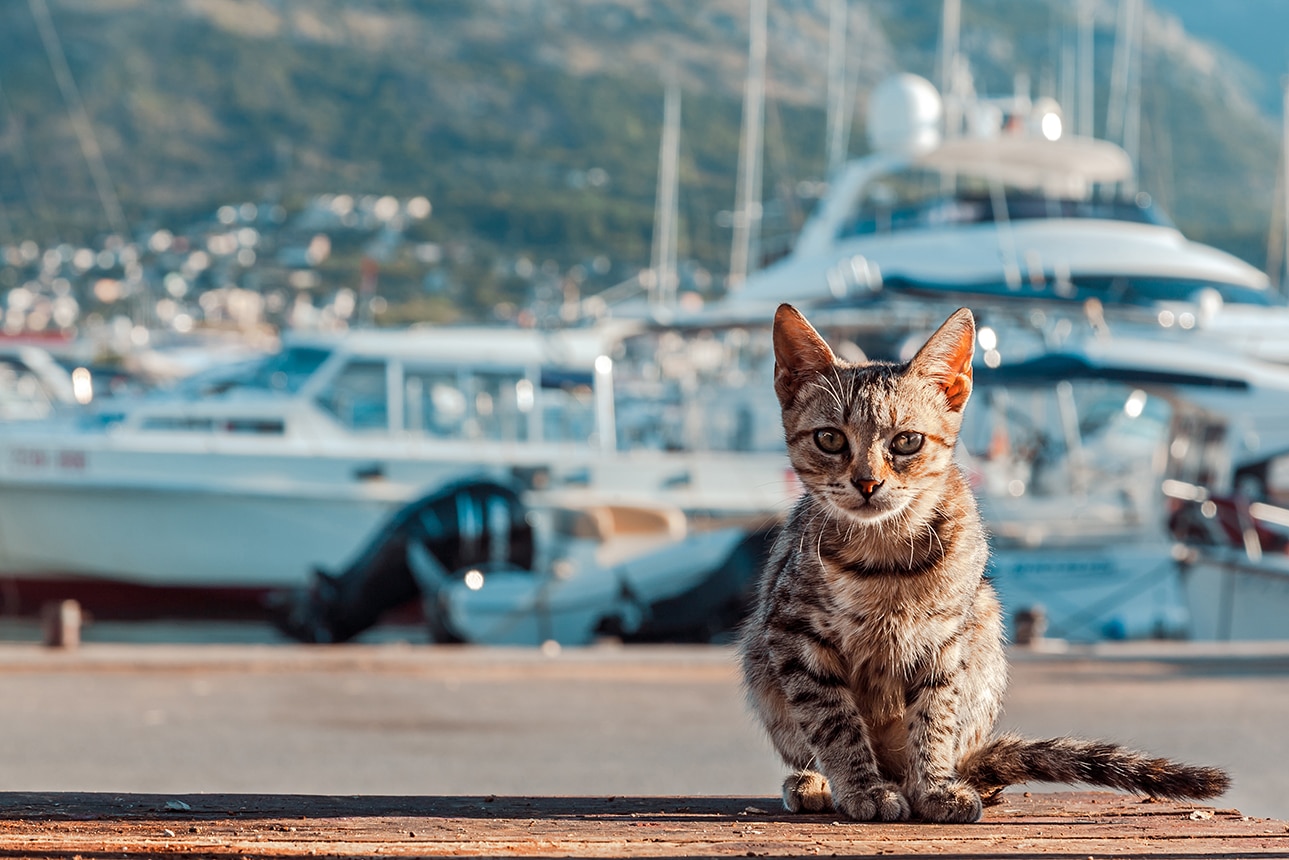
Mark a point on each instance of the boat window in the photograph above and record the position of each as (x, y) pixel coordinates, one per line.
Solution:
(433, 403)
(178, 424)
(1136, 290)
(22, 395)
(468, 404)
(358, 396)
(502, 402)
(1120, 290)
(918, 198)
(259, 426)
(567, 405)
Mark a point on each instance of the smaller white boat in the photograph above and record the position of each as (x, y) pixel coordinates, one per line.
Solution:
(1083, 461)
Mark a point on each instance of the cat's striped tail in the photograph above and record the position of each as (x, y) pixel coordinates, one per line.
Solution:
(1009, 759)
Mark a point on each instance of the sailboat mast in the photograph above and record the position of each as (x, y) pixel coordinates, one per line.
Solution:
(837, 113)
(950, 28)
(747, 199)
(1087, 31)
(1284, 187)
(663, 264)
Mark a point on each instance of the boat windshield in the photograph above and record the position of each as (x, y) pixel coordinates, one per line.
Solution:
(918, 198)
(288, 370)
(283, 372)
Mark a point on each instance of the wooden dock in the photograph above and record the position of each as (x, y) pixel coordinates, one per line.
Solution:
(1069, 825)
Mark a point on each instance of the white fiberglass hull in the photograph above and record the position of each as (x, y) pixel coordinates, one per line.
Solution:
(161, 536)
(232, 516)
(1233, 598)
(199, 518)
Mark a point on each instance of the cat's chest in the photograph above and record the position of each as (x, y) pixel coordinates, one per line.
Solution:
(888, 625)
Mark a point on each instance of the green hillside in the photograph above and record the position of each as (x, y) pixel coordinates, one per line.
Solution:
(532, 125)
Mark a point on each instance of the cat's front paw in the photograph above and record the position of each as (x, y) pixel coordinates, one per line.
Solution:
(879, 801)
(948, 803)
(807, 791)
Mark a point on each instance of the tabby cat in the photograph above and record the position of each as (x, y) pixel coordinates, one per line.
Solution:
(875, 653)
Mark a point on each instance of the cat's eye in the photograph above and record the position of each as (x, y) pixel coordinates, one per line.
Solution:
(830, 440)
(906, 443)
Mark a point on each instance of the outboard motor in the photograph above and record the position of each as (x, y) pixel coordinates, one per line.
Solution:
(420, 548)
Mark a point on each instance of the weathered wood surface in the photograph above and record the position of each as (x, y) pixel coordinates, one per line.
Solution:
(1071, 825)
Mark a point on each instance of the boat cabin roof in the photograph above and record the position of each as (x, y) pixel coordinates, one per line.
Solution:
(1064, 166)
(470, 344)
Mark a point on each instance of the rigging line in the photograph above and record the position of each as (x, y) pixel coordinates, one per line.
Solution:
(80, 119)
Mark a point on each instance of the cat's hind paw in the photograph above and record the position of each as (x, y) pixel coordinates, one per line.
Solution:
(948, 803)
(807, 791)
(878, 802)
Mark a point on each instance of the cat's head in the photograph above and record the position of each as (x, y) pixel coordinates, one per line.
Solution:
(873, 440)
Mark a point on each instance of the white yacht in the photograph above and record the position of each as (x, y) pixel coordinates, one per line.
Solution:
(252, 476)
(1008, 212)
(249, 477)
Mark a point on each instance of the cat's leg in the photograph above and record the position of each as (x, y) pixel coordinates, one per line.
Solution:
(811, 696)
(931, 784)
(805, 789)
(953, 704)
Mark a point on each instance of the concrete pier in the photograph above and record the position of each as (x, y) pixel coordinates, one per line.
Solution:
(216, 750)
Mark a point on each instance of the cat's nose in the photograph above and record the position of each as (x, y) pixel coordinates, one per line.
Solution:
(866, 486)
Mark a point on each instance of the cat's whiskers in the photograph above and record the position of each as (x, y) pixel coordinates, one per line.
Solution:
(825, 384)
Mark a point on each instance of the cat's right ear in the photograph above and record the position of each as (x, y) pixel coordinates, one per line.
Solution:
(799, 353)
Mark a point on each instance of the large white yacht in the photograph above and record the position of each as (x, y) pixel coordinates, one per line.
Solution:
(252, 476)
(1011, 212)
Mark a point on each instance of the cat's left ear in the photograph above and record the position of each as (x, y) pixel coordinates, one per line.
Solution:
(946, 357)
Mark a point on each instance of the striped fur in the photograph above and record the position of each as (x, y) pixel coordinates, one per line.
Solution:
(875, 656)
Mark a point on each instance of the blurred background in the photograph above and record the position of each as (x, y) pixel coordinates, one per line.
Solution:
(449, 320)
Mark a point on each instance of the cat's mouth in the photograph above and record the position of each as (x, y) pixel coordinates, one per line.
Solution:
(865, 510)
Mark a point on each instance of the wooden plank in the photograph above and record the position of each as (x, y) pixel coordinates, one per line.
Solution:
(1069, 824)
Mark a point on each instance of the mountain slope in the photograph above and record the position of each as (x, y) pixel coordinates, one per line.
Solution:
(500, 110)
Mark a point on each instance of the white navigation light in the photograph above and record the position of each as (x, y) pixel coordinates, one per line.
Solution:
(1050, 125)
(1046, 118)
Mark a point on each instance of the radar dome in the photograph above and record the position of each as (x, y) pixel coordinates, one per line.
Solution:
(904, 115)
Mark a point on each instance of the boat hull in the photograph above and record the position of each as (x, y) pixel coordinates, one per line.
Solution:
(1092, 592)
(1233, 598)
